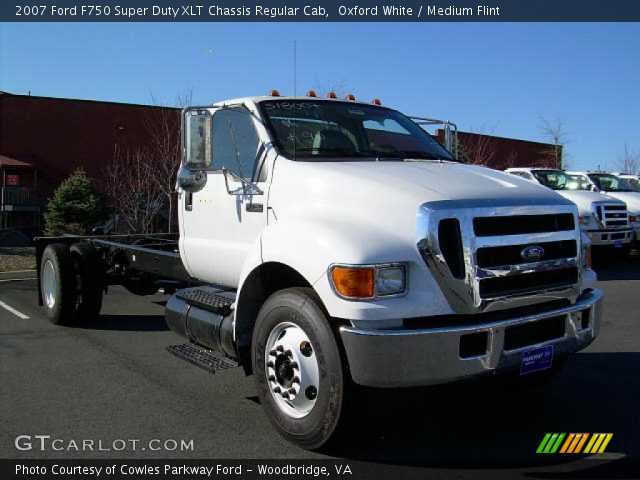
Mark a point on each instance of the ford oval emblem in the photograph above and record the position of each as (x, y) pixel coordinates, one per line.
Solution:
(532, 252)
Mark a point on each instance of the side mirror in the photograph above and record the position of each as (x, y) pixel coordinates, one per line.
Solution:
(197, 139)
(191, 180)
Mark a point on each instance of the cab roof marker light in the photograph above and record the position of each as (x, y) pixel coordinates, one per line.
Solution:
(311, 93)
(274, 93)
(351, 97)
(376, 101)
(332, 95)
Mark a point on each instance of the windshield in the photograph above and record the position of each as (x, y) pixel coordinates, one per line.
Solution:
(557, 180)
(578, 182)
(633, 183)
(610, 183)
(318, 130)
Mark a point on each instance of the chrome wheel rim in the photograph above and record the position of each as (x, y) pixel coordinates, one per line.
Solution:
(291, 368)
(49, 284)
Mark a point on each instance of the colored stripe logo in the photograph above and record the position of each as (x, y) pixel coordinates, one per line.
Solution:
(574, 443)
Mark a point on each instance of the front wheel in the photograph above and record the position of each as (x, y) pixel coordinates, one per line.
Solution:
(297, 367)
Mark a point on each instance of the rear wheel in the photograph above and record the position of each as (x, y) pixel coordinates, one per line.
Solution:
(58, 284)
(90, 272)
(297, 367)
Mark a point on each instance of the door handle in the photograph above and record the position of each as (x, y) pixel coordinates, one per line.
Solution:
(188, 201)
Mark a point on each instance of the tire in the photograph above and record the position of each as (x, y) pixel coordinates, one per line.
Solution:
(90, 269)
(310, 415)
(58, 284)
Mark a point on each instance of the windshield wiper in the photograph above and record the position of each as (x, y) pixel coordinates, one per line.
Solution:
(336, 151)
(419, 154)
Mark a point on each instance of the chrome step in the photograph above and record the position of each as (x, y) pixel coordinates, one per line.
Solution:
(208, 360)
(206, 300)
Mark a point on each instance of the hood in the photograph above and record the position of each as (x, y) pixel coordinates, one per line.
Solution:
(584, 199)
(387, 186)
(632, 199)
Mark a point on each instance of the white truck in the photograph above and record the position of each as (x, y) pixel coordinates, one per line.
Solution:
(632, 180)
(603, 218)
(328, 242)
(615, 187)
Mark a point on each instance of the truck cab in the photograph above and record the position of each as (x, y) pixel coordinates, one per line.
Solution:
(602, 217)
(425, 270)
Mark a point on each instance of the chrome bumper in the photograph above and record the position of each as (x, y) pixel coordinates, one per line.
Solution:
(601, 238)
(402, 358)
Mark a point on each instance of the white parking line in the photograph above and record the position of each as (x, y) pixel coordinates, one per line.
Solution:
(13, 310)
(16, 279)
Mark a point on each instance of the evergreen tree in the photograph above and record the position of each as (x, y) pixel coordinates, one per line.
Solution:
(76, 206)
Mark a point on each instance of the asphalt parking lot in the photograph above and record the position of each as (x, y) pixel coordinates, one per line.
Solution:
(113, 379)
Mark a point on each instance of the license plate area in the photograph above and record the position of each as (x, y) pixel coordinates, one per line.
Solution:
(536, 359)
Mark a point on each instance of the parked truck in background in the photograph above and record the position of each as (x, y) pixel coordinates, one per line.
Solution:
(603, 218)
(616, 187)
(327, 242)
(632, 180)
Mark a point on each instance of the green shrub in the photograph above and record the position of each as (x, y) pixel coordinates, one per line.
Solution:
(76, 206)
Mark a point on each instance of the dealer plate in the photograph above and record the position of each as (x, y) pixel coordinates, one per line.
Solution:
(536, 359)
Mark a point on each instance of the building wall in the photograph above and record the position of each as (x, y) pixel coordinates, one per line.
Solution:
(60, 135)
(501, 153)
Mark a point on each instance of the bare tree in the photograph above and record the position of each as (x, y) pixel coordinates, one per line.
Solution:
(130, 183)
(477, 148)
(164, 149)
(557, 134)
(323, 88)
(511, 160)
(629, 161)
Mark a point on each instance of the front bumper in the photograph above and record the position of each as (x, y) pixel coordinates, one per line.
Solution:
(402, 358)
(602, 238)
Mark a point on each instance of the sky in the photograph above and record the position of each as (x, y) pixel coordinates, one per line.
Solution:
(500, 79)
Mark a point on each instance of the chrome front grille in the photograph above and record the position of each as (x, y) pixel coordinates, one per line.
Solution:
(612, 215)
(493, 258)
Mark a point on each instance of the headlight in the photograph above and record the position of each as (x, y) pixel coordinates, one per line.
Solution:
(390, 280)
(634, 217)
(362, 282)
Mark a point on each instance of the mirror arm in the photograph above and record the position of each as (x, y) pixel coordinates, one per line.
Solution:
(255, 190)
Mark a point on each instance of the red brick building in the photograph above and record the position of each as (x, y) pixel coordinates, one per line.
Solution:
(501, 152)
(43, 140)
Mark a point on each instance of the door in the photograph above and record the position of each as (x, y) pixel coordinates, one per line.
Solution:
(221, 219)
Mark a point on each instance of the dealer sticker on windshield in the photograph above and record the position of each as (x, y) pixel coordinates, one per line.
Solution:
(536, 359)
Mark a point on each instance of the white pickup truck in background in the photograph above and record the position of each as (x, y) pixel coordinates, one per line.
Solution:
(603, 218)
(327, 242)
(616, 187)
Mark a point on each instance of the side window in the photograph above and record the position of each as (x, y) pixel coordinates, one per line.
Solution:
(235, 143)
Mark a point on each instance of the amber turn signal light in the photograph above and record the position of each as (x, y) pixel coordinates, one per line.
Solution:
(354, 282)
